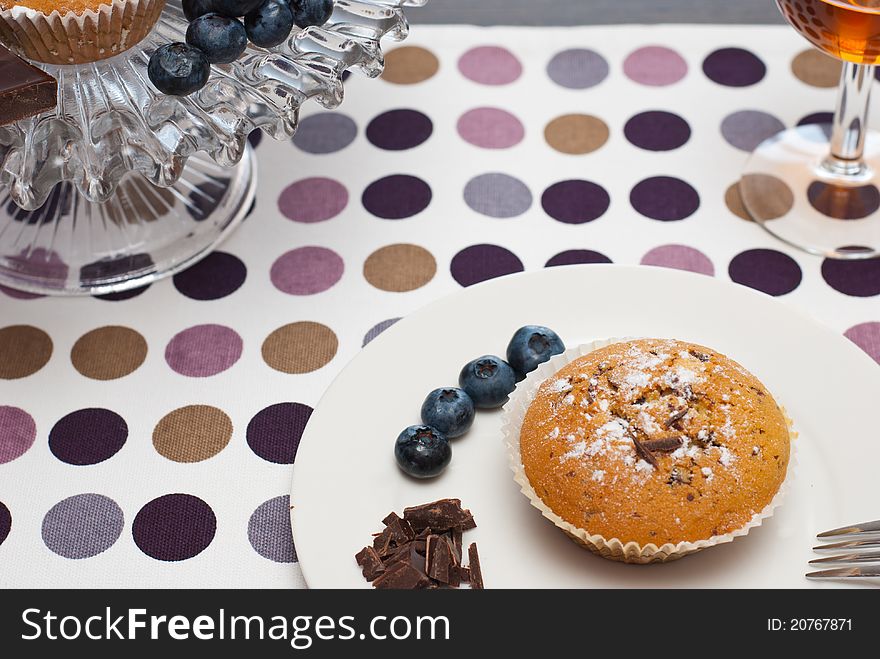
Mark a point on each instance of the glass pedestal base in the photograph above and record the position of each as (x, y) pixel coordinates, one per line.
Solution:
(70, 246)
(787, 190)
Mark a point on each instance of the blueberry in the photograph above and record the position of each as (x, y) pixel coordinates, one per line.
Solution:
(178, 69)
(422, 451)
(192, 9)
(222, 39)
(451, 411)
(311, 12)
(488, 381)
(234, 8)
(530, 347)
(269, 24)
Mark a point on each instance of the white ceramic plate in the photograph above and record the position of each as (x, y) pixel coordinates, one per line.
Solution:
(345, 478)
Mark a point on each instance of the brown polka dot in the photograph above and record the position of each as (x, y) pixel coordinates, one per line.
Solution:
(108, 353)
(576, 134)
(815, 68)
(400, 268)
(300, 347)
(770, 197)
(137, 201)
(410, 65)
(844, 202)
(192, 433)
(24, 350)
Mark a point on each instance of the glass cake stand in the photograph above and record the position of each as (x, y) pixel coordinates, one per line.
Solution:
(121, 185)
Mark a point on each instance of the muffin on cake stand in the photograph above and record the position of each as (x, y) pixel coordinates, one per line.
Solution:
(121, 185)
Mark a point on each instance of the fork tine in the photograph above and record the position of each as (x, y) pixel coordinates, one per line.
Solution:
(864, 557)
(849, 544)
(857, 529)
(846, 572)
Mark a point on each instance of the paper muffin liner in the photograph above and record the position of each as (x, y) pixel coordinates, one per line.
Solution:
(513, 415)
(71, 38)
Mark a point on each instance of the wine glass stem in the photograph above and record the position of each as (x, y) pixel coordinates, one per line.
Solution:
(850, 122)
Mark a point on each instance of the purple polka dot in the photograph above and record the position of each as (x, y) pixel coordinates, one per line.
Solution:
(114, 268)
(746, 129)
(482, 262)
(377, 329)
(17, 433)
(867, 337)
(217, 275)
(269, 530)
(88, 436)
(576, 256)
(398, 130)
(497, 195)
(734, 67)
(657, 131)
(174, 527)
(766, 270)
(123, 295)
(490, 128)
(817, 118)
(680, 257)
(19, 295)
(203, 350)
(578, 68)
(665, 198)
(655, 66)
(255, 137)
(397, 197)
(207, 197)
(5, 522)
(858, 278)
(325, 132)
(313, 200)
(274, 432)
(39, 262)
(307, 270)
(82, 526)
(575, 202)
(490, 65)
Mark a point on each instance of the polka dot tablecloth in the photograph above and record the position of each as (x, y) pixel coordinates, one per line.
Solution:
(147, 438)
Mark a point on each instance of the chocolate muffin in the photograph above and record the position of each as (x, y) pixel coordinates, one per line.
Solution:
(656, 442)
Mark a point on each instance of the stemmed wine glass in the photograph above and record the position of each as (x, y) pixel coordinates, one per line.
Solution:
(817, 187)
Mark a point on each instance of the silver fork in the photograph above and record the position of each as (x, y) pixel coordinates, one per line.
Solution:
(861, 542)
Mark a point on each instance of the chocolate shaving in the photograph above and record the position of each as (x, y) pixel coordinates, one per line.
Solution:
(400, 529)
(663, 444)
(440, 562)
(677, 416)
(703, 357)
(476, 573)
(643, 452)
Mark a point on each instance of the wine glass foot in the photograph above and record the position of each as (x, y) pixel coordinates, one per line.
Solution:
(789, 187)
(70, 246)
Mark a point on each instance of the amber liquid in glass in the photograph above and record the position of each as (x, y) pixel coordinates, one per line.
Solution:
(847, 29)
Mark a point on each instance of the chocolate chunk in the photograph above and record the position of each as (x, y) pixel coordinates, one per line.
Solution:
(703, 357)
(440, 515)
(476, 573)
(383, 543)
(663, 444)
(465, 574)
(677, 416)
(400, 529)
(369, 560)
(402, 576)
(642, 452)
(25, 90)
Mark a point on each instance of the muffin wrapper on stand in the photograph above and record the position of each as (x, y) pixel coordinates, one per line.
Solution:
(72, 38)
(514, 413)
